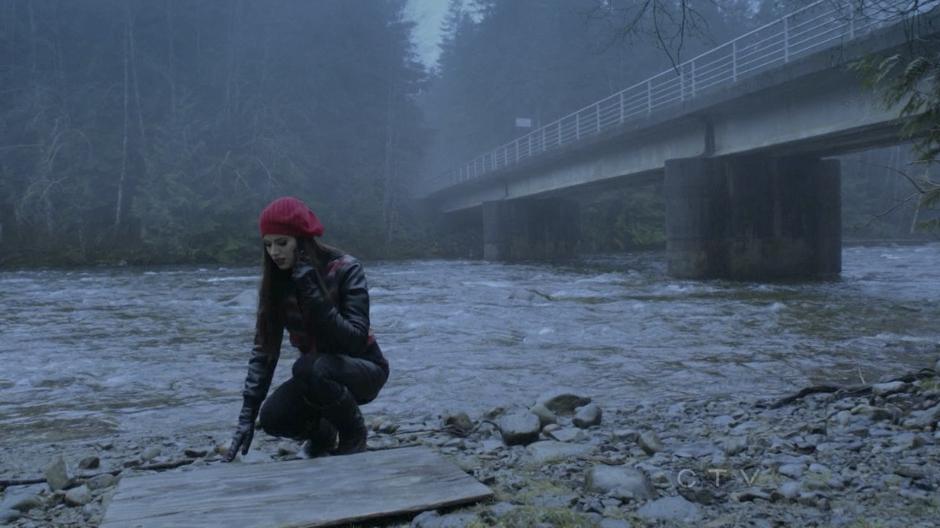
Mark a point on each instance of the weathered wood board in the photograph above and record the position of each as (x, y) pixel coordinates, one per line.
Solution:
(299, 493)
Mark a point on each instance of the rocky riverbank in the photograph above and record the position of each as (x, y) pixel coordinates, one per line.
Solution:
(828, 456)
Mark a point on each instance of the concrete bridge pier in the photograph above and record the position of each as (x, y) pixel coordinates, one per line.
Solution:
(530, 229)
(753, 218)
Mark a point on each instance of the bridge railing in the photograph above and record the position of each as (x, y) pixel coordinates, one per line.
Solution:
(820, 25)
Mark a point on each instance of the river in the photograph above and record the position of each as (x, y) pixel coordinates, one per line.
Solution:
(134, 352)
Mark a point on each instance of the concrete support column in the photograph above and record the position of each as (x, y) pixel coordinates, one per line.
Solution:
(530, 229)
(753, 218)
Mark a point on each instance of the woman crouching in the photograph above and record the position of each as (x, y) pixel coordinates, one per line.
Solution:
(319, 295)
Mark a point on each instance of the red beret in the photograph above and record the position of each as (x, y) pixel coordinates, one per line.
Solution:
(289, 216)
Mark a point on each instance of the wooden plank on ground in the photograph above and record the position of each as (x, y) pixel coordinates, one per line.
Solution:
(296, 494)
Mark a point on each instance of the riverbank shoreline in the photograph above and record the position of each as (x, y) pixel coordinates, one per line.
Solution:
(860, 456)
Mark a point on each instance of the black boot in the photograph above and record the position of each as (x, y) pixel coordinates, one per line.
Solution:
(344, 414)
(320, 437)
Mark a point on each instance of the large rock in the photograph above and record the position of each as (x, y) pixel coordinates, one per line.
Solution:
(673, 509)
(562, 401)
(519, 428)
(546, 417)
(91, 462)
(619, 481)
(547, 451)
(22, 498)
(587, 416)
(650, 443)
(79, 496)
(57, 474)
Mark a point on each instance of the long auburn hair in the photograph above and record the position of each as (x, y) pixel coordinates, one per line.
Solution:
(275, 282)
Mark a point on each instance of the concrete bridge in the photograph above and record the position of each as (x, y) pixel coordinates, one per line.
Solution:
(739, 133)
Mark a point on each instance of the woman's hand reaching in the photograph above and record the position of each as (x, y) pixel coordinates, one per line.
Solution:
(243, 433)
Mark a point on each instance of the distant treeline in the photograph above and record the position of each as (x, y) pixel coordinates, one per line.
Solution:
(155, 131)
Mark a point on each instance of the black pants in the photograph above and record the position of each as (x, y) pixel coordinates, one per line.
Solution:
(321, 381)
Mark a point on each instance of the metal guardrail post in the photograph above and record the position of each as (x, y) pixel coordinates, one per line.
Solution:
(692, 75)
(577, 125)
(786, 39)
(559, 132)
(852, 22)
(681, 83)
(734, 60)
(597, 117)
(649, 97)
(621, 107)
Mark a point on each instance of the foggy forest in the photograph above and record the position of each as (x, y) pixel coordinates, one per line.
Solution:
(469, 263)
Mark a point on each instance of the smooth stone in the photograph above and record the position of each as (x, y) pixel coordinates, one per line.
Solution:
(794, 471)
(433, 519)
(885, 389)
(650, 442)
(874, 413)
(546, 416)
(567, 434)
(906, 441)
(519, 428)
(150, 453)
(79, 496)
(562, 401)
(670, 509)
(459, 423)
(789, 490)
(734, 444)
(555, 501)
(545, 451)
(913, 472)
(587, 416)
(619, 481)
(491, 445)
(923, 419)
(627, 435)
(195, 453)
(22, 498)
(843, 418)
(57, 474)
(101, 481)
(501, 509)
(91, 462)
(749, 495)
(8, 516)
(696, 450)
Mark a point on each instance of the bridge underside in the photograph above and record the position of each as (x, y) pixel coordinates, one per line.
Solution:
(753, 217)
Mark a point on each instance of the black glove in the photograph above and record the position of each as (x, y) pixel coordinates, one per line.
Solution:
(310, 290)
(244, 432)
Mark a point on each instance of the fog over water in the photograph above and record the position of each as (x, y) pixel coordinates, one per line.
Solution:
(137, 352)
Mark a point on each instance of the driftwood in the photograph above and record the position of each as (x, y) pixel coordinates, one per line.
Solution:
(850, 391)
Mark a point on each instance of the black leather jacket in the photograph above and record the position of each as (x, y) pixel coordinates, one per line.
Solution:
(338, 325)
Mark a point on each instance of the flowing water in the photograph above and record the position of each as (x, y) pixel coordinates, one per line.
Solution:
(132, 352)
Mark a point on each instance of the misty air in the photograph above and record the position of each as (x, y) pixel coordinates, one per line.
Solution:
(469, 263)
